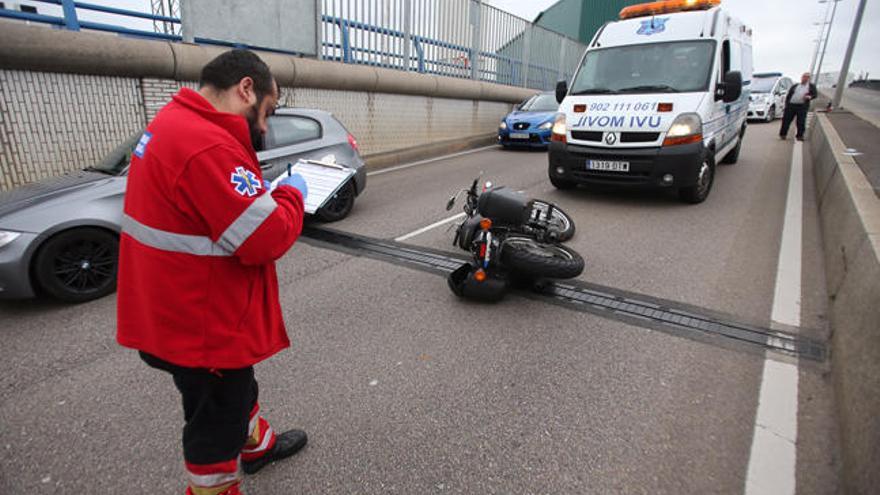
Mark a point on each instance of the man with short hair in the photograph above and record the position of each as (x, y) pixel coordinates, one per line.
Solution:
(198, 292)
(797, 104)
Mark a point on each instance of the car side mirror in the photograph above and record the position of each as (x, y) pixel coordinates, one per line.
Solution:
(561, 91)
(731, 88)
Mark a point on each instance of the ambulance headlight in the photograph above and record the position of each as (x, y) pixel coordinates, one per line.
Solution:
(686, 128)
(503, 125)
(546, 125)
(559, 128)
(7, 237)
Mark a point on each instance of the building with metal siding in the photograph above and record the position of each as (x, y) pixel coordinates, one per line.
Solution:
(580, 19)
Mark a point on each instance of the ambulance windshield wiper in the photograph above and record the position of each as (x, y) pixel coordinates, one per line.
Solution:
(593, 91)
(650, 87)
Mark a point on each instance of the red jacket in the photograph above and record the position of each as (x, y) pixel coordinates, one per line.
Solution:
(197, 282)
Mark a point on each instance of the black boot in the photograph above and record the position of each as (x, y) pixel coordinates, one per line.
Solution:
(286, 444)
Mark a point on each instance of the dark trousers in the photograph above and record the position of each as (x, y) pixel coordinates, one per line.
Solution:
(791, 111)
(216, 408)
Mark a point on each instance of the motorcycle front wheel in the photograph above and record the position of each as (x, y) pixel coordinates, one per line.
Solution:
(526, 256)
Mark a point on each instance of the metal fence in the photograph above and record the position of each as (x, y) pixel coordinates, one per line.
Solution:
(457, 38)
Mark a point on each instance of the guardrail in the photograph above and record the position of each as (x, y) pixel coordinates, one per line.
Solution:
(71, 20)
(458, 38)
(345, 51)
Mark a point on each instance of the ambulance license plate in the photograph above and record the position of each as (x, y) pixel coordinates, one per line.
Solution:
(608, 165)
(519, 135)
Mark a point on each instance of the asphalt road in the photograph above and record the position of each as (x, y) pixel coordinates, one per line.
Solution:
(861, 101)
(405, 389)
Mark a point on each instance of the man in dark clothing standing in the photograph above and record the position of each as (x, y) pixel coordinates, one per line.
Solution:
(797, 104)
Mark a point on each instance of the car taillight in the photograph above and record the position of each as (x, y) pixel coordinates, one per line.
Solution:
(353, 143)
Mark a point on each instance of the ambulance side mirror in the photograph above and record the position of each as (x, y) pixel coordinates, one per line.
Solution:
(561, 91)
(731, 89)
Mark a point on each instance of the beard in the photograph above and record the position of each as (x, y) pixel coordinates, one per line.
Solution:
(257, 140)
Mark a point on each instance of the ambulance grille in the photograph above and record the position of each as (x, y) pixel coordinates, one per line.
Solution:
(595, 136)
(639, 137)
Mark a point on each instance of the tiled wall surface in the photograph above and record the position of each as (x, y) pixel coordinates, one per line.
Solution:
(55, 123)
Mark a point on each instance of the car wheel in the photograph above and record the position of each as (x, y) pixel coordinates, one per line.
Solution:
(771, 114)
(732, 156)
(699, 191)
(78, 265)
(340, 204)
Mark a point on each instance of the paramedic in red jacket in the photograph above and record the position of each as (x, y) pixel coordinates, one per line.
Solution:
(198, 293)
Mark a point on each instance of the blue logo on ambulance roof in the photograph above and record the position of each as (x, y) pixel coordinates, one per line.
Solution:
(652, 26)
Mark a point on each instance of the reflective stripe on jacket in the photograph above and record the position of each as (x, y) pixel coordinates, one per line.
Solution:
(200, 235)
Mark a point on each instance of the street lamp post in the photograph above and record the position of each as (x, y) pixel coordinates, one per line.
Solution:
(841, 81)
(827, 37)
(819, 41)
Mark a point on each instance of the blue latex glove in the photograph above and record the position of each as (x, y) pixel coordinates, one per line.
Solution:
(267, 185)
(297, 181)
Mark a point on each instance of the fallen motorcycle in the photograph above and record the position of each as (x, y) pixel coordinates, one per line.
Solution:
(511, 238)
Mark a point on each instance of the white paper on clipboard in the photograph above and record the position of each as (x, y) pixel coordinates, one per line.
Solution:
(323, 179)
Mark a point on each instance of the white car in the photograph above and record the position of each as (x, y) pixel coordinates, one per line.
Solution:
(767, 101)
(659, 98)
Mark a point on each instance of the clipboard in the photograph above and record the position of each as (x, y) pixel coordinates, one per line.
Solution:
(323, 178)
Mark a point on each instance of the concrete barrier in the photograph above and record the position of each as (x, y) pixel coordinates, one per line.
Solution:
(40, 48)
(849, 212)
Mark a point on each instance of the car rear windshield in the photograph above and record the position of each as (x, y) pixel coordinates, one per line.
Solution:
(116, 161)
(679, 66)
(541, 103)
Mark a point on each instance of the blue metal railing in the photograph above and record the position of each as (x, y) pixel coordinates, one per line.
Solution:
(349, 52)
(423, 52)
(71, 20)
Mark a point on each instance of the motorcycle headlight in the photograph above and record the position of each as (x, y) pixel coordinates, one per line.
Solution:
(7, 237)
(503, 125)
(546, 125)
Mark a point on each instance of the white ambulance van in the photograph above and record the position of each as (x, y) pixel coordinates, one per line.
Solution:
(660, 97)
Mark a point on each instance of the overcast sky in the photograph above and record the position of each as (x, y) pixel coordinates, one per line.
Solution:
(784, 33)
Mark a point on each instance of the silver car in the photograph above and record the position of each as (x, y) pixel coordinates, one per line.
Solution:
(59, 236)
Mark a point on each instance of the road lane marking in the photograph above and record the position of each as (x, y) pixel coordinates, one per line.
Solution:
(773, 457)
(429, 227)
(429, 160)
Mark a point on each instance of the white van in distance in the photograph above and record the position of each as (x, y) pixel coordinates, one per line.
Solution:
(767, 99)
(659, 98)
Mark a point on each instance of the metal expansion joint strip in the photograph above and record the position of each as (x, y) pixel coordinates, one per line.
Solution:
(605, 300)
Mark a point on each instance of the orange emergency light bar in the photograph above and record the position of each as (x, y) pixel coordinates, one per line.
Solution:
(666, 7)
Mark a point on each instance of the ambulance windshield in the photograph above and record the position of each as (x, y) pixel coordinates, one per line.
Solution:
(680, 66)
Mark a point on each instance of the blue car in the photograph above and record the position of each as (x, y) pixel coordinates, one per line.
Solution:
(529, 125)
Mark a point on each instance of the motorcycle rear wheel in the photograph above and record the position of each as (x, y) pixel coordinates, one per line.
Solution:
(560, 220)
(525, 256)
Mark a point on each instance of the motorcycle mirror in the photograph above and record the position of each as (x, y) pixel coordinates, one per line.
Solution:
(451, 202)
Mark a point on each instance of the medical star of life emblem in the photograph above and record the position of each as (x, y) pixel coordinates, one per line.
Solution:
(245, 182)
(653, 25)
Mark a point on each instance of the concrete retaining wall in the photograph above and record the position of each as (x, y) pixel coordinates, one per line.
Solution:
(67, 98)
(850, 218)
